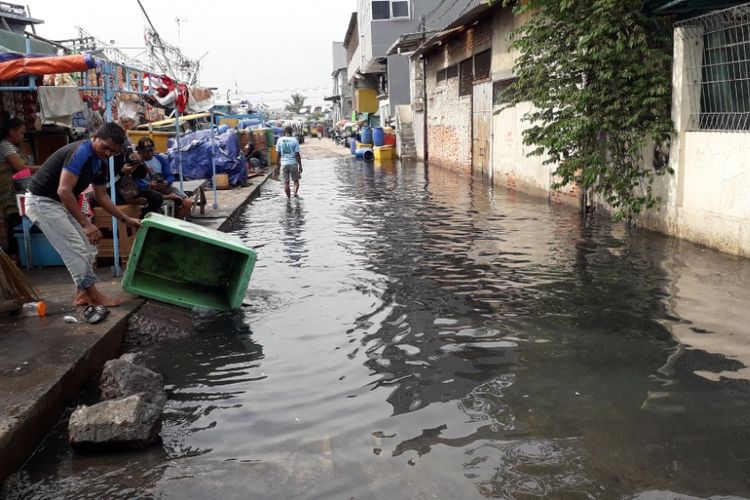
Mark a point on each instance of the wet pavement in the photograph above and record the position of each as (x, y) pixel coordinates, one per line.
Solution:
(410, 333)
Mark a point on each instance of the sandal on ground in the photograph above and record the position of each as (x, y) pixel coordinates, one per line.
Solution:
(94, 314)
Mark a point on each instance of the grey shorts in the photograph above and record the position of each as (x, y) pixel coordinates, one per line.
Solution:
(290, 171)
(176, 190)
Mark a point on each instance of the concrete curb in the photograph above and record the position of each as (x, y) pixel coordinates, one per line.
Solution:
(233, 217)
(34, 406)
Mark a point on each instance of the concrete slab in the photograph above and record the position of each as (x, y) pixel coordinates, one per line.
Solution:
(46, 362)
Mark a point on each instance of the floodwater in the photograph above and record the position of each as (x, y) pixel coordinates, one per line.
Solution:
(411, 333)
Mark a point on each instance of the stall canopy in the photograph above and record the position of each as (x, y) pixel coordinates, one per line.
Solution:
(684, 8)
(14, 65)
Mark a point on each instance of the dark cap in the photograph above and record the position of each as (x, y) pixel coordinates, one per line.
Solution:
(145, 144)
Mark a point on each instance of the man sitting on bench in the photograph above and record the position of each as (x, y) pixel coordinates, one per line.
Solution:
(161, 178)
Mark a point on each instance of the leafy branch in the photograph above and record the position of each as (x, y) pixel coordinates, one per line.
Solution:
(599, 76)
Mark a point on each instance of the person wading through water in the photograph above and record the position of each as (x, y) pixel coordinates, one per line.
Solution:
(291, 161)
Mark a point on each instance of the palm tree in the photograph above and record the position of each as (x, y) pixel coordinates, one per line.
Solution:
(296, 104)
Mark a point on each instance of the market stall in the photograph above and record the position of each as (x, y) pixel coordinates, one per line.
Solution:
(77, 79)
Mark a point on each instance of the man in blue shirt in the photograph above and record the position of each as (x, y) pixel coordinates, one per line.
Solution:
(53, 206)
(290, 159)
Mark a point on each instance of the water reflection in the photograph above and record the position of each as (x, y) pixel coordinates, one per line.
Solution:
(293, 239)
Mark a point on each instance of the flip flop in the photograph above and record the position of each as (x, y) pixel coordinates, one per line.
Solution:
(95, 314)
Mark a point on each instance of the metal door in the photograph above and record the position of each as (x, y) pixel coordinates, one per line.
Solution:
(481, 159)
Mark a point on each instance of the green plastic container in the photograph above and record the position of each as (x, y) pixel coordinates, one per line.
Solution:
(188, 265)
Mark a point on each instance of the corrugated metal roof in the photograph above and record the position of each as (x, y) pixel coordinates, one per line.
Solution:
(456, 26)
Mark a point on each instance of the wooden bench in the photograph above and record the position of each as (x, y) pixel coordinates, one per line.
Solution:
(125, 234)
(195, 190)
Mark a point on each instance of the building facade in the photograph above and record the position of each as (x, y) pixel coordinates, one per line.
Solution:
(464, 124)
(379, 25)
(341, 96)
(462, 119)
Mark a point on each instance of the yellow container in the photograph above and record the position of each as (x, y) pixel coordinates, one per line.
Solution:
(160, 139)
(230, 122)
(383, 153)
(361, 145)
(222, 181)
(274, 156)
(366, 101)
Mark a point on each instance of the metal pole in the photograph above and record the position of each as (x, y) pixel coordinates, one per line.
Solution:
(213, 161)
(177, 142)
(108, 95)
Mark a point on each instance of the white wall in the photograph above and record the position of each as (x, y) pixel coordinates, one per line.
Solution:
(707, 199)
(512, 166)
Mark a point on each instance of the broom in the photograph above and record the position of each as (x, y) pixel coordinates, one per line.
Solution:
(15, 289)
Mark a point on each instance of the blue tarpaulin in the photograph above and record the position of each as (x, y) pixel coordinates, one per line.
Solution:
(196, 156)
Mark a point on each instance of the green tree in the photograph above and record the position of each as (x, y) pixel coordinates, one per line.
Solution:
(599, 76)
(296, 103)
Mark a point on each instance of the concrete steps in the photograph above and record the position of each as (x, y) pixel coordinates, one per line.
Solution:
(408, 147)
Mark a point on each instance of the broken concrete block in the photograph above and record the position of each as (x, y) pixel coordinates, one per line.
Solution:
(121, 378)
(132, 422)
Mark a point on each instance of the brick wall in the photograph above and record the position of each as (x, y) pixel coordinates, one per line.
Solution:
(448, 119)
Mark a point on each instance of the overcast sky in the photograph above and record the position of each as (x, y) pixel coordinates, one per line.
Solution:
(266, 49)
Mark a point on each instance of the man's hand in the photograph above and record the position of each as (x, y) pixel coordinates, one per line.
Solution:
(92, 232)
(132, 222)
(135, 157)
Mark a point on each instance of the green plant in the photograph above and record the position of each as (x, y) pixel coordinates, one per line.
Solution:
(598, 73)
(295, 104)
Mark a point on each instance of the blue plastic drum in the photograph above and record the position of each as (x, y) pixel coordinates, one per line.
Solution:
(364, 154)
(366, 135)
(378, 136)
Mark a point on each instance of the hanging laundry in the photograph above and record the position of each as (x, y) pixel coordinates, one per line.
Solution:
(59, 104)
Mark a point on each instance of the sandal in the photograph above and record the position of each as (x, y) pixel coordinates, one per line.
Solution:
(94, 314)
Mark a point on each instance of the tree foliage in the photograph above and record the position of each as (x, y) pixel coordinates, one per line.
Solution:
(296, 103)
(599, 76)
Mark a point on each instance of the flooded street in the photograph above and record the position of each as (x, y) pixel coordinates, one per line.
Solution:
(411, 333)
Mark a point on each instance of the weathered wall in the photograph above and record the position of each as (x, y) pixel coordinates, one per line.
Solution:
(448, 119)
(707, 200)
(512, 166)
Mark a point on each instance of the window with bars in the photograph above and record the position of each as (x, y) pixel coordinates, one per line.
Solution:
(390, 9)
(718, 64)
(446, 73)
(465, 77)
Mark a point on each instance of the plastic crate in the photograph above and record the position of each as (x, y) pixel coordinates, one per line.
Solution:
(42, 253)
(187, 265)
(383, 153)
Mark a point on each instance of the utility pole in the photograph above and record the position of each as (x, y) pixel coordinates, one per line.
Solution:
(179, 21)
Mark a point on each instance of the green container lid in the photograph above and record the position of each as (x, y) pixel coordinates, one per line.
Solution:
(187, 265)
